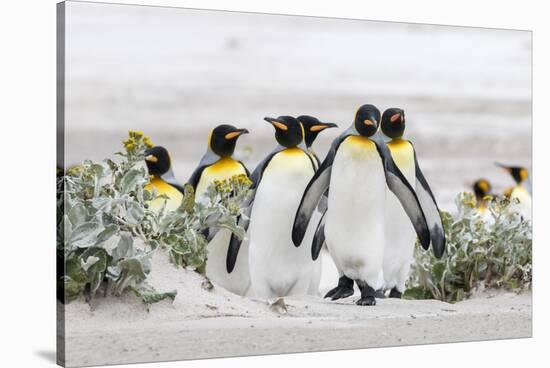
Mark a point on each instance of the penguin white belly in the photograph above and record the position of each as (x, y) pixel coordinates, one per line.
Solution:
(399, 231)
(525, 202)
(238, 281)
(354, 228)
(277, 267)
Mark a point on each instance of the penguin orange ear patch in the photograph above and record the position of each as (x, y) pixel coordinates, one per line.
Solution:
(523, 174)
(232, 135)
(368, 122)
(317, 128)
(279, 125)
(395, 117)
(151, 158)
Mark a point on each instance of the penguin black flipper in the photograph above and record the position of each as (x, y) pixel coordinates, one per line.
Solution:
(431, 210)
(404, 192)
(319, 238)
(314, 190)
(244, 221)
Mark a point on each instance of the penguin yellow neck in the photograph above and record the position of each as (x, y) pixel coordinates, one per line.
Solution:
(162, 187)
(225, 164)
(223, 169)
(293, 151)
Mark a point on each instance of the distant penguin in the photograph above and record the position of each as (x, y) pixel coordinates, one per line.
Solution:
(357, 169)
(312, 128)
(521, 191)
(277, 267)
(218, 164)
(481, 188)
(159, 165)
(400, 236)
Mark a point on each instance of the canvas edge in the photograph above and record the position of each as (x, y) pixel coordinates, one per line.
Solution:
(60, 169)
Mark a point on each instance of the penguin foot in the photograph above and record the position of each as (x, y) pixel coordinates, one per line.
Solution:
(343, 290)
(367, 294)
(368, 300)
(380, 294)
(394, 293)
(339, 292)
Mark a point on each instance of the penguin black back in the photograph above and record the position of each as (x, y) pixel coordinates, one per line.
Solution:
(157, 160)
(223, 139)
(288, 131)
(312, 127)
(367, 119)
(393, 122)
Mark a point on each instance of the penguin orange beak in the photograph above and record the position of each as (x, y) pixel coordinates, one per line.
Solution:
(236, 133)
(276, 123)
(506, 168)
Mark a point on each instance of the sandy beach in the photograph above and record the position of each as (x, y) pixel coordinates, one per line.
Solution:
(212, 323)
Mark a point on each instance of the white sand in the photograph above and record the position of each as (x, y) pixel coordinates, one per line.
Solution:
(215, 323)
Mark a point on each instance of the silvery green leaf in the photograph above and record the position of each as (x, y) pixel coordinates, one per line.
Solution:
(67, 229)
(147, 195)
(109, 231)
(102, 203)
(134, 214)
(110, 245)
(95, 282)
(130, 180)
(125, 247)
(85, 235)
(101, 264)
(78, 214)
(149, 295)
(90, 261)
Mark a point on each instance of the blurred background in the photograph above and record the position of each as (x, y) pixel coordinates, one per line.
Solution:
(176, 73)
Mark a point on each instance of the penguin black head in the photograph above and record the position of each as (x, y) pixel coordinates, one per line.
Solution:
(157, 160)
(366, 120)
(312, 127)
(288, 131)
(223, 139)
(482, 187)
(393, 122)
(519, 173)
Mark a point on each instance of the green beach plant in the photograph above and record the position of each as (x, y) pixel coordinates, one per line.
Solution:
(107, 232)
(493, 251)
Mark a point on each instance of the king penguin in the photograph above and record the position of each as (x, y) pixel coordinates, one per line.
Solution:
(277, 268)
(218, 164)
(481, 188)
(159, 165)
(357, 168)
(520, 191)
(400, 236)
(312, 128)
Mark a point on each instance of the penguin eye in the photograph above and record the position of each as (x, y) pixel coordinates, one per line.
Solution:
(151, 158)
(317, 128)
(394, 117)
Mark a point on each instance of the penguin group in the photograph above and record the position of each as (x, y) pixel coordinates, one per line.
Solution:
(520, 193)
(366, 203)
